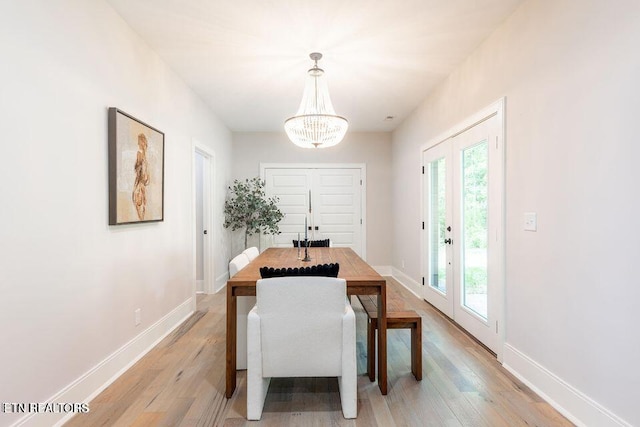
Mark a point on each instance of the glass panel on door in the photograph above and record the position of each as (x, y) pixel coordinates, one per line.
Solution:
(475, 189)
(438, 252)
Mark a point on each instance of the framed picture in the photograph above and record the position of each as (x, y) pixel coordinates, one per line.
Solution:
(136, 170)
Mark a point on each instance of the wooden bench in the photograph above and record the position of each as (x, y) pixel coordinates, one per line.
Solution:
(395, 320)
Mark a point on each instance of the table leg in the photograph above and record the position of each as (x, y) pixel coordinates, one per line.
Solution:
(382, 339)
(371, 348)
(231, 341)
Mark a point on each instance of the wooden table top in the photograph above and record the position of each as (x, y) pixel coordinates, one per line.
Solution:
(352, 268)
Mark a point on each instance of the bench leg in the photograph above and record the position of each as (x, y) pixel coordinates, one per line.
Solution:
(416, 351)
(371, 349)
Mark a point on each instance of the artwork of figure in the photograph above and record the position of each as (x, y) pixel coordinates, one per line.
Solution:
(136, 170)
(139, 195)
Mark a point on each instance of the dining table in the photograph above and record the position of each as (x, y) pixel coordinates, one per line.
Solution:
(360, 277)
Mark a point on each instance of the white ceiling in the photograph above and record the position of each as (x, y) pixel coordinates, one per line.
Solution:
(248, 58)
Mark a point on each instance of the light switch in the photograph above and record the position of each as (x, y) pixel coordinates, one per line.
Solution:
(530, 221)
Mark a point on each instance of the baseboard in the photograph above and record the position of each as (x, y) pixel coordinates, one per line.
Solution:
(406, 281)
(383, 270)
(221, 282)
(199, 286)
(106, 372)
(579, 408)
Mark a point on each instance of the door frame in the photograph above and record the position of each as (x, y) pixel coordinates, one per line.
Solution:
(208, 217)
(363, 177)
(497, 109)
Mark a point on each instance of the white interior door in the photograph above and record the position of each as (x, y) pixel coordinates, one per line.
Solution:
(463, 209)
(336, 207)
(330, 199)
(292, 187)
(203, 183)
(200, 229)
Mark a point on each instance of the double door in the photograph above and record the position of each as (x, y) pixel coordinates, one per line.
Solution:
(328, 200)
(463, 193)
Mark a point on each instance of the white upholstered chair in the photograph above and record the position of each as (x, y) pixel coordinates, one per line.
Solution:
(301, 326)
(238, 263)
(252, 253)
(243, 304)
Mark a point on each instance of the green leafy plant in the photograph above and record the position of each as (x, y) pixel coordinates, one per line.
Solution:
(248, 207)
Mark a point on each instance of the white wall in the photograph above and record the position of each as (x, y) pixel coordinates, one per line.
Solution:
(372, 148)
(570, 73)
(69, 282)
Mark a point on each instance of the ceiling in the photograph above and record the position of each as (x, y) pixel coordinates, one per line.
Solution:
(248, 58)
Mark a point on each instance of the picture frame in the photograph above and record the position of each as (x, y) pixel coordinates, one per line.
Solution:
(136, 170)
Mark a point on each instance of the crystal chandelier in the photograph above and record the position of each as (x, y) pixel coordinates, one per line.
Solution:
(316, 124)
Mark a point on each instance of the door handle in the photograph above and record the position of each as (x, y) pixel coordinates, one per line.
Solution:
(448, 241)
(205, 231)
(316, 228)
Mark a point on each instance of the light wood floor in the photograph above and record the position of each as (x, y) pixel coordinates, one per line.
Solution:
(181, 382)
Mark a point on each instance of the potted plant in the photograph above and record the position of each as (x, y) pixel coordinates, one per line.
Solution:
(248, 207)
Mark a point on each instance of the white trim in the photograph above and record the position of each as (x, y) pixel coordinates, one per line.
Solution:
(501, 255)
(209, 219)
(363, 177)
(579, 408)
(406, 281)
(497, 108)
(199, 286)
(94, 381)
(300, 165)
(363, 208)
(221, 281)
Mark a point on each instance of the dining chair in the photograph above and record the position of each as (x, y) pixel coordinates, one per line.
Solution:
(252, 253)
(239, 262)
(301, 326)
(243, 305)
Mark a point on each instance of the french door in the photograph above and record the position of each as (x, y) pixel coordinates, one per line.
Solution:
(329, 199)
(463, 203)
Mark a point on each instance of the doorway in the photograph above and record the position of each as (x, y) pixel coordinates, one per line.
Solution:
(463, 196)
(203, 185)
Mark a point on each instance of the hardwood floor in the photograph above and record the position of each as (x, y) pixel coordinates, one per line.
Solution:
(181, 382)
